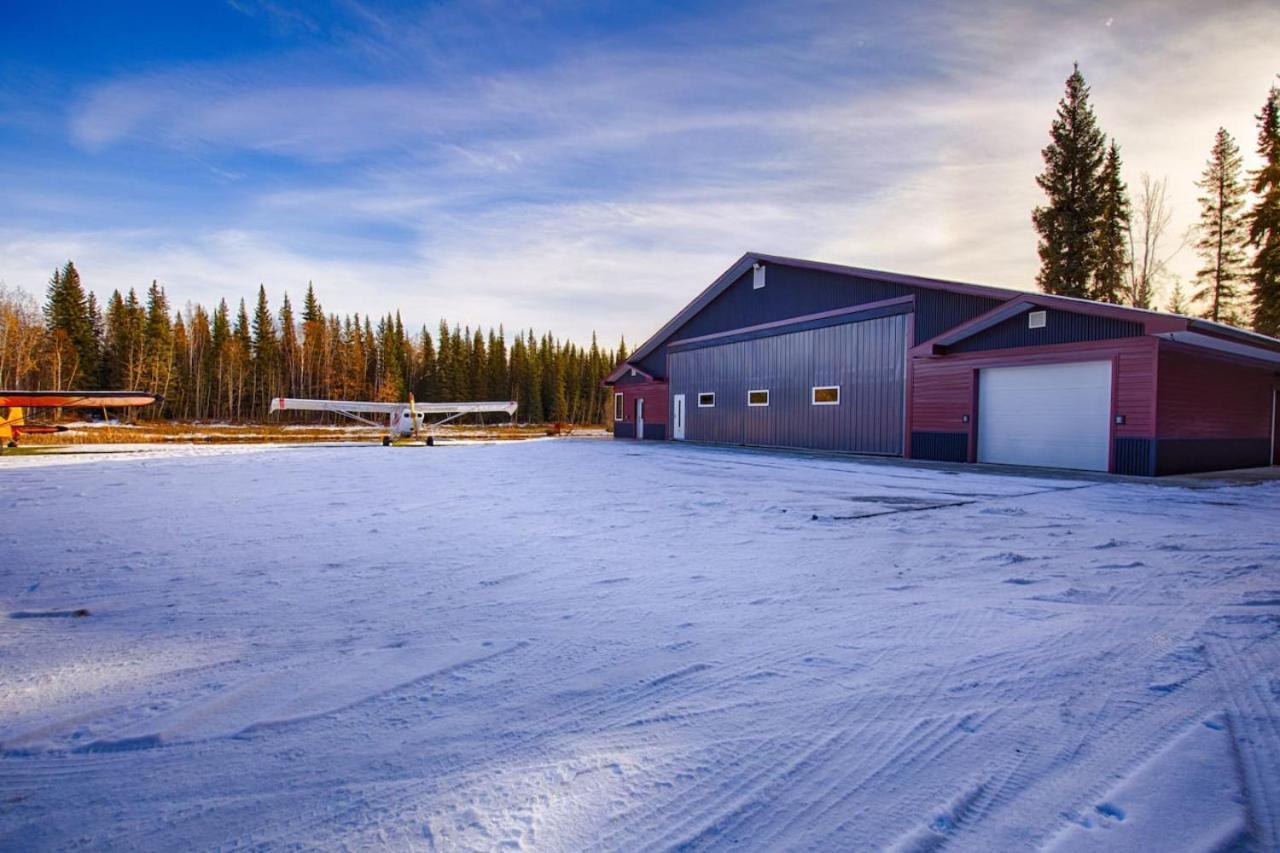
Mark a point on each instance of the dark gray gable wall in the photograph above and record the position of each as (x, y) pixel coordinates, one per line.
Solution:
(794, 292)
(1061, 327)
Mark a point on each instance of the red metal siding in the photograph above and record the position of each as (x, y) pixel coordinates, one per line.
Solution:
(1203, 396)
(656, 402)
(943, 389)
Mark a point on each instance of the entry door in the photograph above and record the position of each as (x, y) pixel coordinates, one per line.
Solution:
(1052, 415)
(1275, 428)
(677, 417)
(640, 417)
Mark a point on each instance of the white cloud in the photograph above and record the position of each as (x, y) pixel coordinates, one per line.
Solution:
(605, 188)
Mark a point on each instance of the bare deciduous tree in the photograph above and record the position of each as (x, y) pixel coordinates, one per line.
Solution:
(22, 336)
(1148, 228)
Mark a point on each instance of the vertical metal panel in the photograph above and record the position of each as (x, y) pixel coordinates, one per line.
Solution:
(1135, 456)
(1061, 327)
(795, 291)
(865, 359)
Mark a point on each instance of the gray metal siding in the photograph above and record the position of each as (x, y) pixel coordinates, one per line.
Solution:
(794, 292)
(866, 359)
(1061, 327)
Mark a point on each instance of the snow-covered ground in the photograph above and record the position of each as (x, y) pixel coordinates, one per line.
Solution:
(570, 645)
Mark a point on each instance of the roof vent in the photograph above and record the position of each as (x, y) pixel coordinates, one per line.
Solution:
(757, 275)
(1037, 319)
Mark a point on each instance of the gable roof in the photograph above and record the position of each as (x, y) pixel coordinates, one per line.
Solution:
(1186, 329)
(748, 260)
(1174, 327)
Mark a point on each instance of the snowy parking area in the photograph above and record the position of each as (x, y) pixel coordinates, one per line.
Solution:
(572, 645)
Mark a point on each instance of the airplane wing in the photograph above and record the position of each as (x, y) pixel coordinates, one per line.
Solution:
(507, 406)
(76, 399)
(290, 404)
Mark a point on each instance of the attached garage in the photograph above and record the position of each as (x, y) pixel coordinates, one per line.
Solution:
(1066, 383)
(1053, 415)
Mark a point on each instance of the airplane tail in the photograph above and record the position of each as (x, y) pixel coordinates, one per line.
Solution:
(11, 425)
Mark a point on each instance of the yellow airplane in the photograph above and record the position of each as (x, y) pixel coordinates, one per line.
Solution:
(14, 405)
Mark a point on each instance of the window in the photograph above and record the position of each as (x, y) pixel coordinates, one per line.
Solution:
(1037, 320)
(706, 400)
(617, 407)
(757, 398)
(826, 395)
(757, 276)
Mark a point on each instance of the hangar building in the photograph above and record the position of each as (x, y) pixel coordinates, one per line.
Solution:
(782, 352)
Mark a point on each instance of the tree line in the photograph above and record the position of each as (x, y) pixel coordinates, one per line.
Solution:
(1096, 242)
(228, 365)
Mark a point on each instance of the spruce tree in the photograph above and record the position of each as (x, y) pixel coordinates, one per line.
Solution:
(69, 321)
(266, 352)
(1113, 231)
(311, 311)
(290, 352)
(99, 325)
(1222, 233)
(115, 346)
(1178, 303)
(219, 341)
(157, 341)
(426, 387)
(1264, 220)
(535, 409)
(1068, 225)
(241, 360)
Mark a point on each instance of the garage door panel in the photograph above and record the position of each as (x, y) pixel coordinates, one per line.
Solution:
(1056, 415)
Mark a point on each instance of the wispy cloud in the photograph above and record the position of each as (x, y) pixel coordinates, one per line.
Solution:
(598, 179)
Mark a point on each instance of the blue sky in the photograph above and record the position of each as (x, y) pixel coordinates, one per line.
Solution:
(576, 166)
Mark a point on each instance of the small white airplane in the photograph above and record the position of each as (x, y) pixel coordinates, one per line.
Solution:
(404, 420)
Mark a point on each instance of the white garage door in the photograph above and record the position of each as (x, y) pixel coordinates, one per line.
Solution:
(1056, 415)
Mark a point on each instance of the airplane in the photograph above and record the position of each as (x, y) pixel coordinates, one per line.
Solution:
(13, 419)
(404, 420)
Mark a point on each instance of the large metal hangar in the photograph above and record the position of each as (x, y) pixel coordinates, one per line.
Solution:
(782, 352)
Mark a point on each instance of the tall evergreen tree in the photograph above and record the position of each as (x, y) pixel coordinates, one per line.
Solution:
(219, 342)
(290, 351)
(1113, 231)
(425, 387)
(1068, 224)
(240, 357)
(114, 346)
(266, 352)
(1264, 220)
(98, 323)
(1222, 233)
(535, 410)
(157, 341)
(70, 323)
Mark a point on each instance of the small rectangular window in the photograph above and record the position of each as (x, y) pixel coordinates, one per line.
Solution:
(617, 407)
(826, 395)
(757, 276)
(1037, 319)
(757, 398)
(706, 400)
